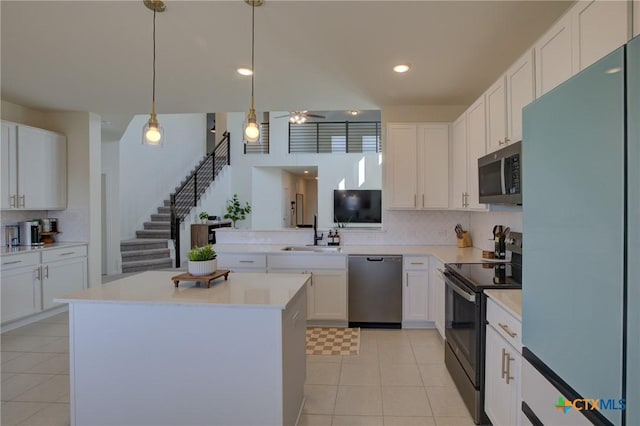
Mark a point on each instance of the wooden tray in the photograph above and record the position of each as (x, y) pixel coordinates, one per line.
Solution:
(204, 278)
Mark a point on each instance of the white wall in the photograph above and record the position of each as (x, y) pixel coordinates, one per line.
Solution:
(149, 174)
(111, 168)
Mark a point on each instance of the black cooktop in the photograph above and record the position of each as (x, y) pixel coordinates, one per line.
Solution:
(487, 275)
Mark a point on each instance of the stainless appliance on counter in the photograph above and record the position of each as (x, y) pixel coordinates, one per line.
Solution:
(500, 176)
(30, 233)
(11, 235)
(465, 319)
(375, 291)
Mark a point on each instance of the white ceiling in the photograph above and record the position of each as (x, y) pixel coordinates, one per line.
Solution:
(315, 55)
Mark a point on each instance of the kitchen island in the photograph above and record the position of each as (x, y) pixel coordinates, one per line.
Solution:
(146, 353)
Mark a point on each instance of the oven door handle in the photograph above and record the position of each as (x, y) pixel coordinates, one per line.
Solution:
(466, 296)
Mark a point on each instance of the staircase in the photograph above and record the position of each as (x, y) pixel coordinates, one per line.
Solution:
(150, 249)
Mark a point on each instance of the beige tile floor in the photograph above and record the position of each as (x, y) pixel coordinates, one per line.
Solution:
(399, 378)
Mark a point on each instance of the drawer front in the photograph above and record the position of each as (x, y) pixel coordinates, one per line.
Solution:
(20, 260)
(306, 261)
(241, 260)
(64, 253)
(506, 324)
(415, 262)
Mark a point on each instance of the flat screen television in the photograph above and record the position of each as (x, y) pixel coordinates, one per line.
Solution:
(357, 206)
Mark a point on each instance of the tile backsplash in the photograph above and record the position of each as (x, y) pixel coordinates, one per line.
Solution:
(482, 224)
(400, 227)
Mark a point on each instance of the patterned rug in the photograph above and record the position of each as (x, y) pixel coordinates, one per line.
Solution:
(333, 341)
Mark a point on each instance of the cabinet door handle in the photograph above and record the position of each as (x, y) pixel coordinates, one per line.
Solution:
(463, 199)
(12, 200)
(38, 274)
(407, 279)
(506, 140)
(12, 262)
(417, 263)
(21, 203)
(46, 271)
(67, 253)
(246, 261)
(504, 352)
(422, 200)
(414, 201)
(500, 142)
(508, 375)
(505, 327)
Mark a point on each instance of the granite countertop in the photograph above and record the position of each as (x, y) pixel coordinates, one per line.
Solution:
(241, 290)
(446, 254)
(5, 251)
(509, 300)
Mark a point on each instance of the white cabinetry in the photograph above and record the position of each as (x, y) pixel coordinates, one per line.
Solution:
(415, 291)
(243, 262)
(503, 362)
(327, 289)
(553, 56)
(520, 93)
(418, 165)
(436, 294)
(496, 103)
(20, 285)
(34, 168)
(64, 271)
(476, 148)
(31, 280)
(599, 27)
(468, 144)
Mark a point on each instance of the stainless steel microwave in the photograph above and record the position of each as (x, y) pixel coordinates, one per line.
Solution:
(500, 176)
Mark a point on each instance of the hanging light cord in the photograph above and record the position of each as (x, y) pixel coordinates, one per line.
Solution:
(253, 37)
(153, 97)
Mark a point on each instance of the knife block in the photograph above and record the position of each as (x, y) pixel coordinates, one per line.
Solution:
(465, 241)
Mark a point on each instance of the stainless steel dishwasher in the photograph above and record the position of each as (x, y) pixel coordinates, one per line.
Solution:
(375, 291)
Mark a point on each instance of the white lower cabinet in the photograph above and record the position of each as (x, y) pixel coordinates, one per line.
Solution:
(415, 291)
(243, 262)
(327, 289)
(503, 365)
(436, 294)
(30, 281)
(20, 287)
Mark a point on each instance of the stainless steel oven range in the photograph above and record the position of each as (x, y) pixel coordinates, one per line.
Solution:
(465, 318)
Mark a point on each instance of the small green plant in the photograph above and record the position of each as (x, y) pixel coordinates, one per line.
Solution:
(201, 254)
(203, 216)
(235, 211)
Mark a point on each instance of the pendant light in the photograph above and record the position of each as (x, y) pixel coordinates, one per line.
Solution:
(252, 129)
(152, 133)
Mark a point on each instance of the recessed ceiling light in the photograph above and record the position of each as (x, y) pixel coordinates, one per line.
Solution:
(613, 70)
(354, 112)
(245, 71)
(306, 171)
(401, 68)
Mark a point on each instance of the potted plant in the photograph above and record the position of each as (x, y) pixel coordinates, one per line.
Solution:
(235, 211)
(204, 216)
(202, 260)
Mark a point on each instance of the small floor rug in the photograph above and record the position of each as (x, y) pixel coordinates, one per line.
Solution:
(333, 341)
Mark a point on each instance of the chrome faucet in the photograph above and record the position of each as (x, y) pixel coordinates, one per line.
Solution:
(316, 237)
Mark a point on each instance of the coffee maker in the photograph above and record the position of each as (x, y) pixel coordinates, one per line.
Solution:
(30, 233)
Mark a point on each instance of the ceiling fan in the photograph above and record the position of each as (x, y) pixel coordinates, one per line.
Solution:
(300, 117)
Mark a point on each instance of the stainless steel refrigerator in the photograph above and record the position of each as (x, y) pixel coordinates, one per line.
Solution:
(581, 216)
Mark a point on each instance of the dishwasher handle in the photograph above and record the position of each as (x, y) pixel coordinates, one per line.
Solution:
(375, 259)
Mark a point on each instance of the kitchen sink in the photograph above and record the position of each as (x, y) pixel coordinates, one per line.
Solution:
(319, 249)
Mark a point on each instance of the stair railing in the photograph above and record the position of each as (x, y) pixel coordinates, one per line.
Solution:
(187, 195)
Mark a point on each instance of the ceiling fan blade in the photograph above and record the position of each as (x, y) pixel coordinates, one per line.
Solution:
(281, 116)
(315, 115)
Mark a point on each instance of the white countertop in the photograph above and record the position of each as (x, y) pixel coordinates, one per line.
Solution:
(509, 300)
(6, 251)
(241, 290)
(446, 254)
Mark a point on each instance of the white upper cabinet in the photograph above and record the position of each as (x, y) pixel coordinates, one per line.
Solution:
(8, 168)
(34, 168)
(402, 165)
(599, 27)
(553, 56)
(520, 93)
(496, 105)
(476, 148)
(459, 162)
(433, 167)
(418, 161)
